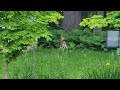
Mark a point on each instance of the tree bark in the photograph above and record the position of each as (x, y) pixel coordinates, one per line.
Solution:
(91, 13)
(99, 13)
(106, 13)
(6, 69)
(71, 20)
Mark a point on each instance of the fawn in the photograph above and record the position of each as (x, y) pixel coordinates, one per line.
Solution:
(63, 44)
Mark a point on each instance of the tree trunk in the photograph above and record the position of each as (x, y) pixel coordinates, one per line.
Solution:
(6, 69)
(106, 13)
(91, 13)
(71, 20)
(99, 13)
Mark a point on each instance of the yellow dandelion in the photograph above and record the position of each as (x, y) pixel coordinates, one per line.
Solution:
(108, 64)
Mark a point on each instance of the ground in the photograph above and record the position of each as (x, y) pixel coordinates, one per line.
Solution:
(56, 64)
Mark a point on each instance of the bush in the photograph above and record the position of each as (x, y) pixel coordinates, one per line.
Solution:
(94, 41)
(55, 42)
(76, 39)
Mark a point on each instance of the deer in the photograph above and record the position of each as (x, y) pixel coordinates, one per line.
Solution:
(63, 44)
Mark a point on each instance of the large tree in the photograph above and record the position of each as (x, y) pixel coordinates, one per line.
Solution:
(19, 29)
(71, 20)
(102, 14)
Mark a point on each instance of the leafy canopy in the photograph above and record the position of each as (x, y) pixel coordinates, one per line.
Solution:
(112, 20)
(18, 29)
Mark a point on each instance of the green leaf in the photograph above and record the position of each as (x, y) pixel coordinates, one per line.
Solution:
(21, 28)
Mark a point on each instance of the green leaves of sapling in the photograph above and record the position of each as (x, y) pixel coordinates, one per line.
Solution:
(112, 20)
(21, 28)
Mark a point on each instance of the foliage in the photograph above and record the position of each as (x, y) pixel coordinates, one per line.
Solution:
(112, 20)
(19, 29)
(95, 41)
(55, 42)
(96, 21)
(77, 39)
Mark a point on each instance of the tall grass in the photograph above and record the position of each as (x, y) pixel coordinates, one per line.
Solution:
(55, 64)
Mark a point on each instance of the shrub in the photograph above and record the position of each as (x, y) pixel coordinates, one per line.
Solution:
(94, 41)
(76, 39)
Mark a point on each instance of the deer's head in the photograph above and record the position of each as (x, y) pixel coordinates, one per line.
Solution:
(62, 38)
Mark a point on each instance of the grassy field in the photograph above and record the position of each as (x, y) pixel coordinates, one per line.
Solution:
(55, 64)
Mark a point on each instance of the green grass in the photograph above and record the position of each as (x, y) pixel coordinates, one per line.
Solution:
(55, 64)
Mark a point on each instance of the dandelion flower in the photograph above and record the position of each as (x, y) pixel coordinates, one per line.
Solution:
(108, 64)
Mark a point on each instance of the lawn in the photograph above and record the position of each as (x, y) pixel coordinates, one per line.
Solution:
(56, 64)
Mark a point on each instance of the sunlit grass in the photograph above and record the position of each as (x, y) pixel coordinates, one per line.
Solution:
(55, 64)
